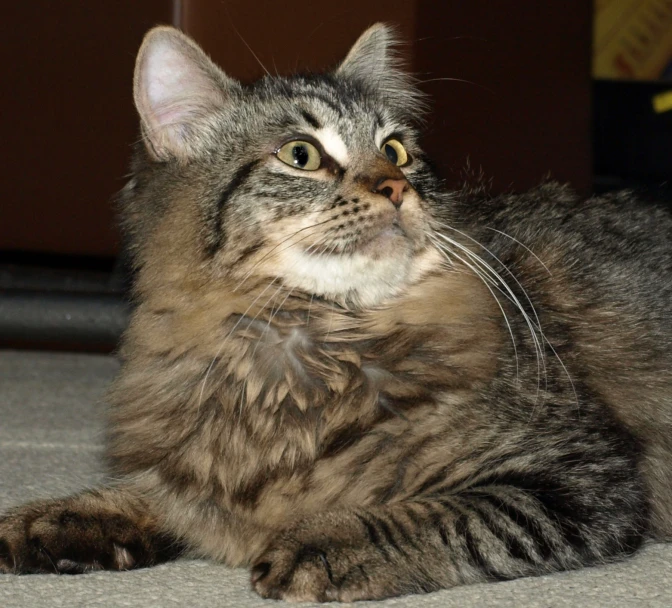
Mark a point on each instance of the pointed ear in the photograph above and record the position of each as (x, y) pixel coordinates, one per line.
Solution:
(372, 55)
(373, 61)
(176, 88)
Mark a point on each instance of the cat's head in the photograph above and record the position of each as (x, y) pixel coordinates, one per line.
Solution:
(315, 181)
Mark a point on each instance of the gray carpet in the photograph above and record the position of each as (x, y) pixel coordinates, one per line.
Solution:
(50, 430)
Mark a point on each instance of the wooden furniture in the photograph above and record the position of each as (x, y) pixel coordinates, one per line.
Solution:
(67, 122)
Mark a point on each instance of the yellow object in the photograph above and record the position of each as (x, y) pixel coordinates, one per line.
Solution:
(632, 39)
(662, 102)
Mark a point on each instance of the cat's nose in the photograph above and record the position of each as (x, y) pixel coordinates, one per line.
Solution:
(393, 189)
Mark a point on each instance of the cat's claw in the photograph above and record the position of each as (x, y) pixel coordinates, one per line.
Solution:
(299, 574)
(53, 539)
(299, 568)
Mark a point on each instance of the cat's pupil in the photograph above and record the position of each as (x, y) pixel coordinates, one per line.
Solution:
(300, 154)
(391, 153)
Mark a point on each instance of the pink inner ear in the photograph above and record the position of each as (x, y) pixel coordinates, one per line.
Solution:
(166, 73)
(173, 90)
(171, 83)
(168, 117)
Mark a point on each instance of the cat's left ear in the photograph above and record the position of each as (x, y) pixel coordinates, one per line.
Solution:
(177, 89)
(373, 61)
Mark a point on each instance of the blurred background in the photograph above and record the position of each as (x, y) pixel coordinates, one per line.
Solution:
(521, 90)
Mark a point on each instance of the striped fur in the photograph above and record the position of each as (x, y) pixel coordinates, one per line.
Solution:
(358, 399)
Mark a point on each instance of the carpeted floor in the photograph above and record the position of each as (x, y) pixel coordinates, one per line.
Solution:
(51, 418)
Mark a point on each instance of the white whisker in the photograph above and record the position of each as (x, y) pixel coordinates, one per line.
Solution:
(310, 307)
(268, 324)
(515, 240)
(442, 250)
(491, 277)
(249, 48)
(498, 279)
(268, 253)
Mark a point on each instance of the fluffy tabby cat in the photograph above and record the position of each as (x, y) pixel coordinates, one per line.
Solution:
(350, 380)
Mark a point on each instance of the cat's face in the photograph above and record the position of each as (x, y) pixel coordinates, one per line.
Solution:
(317, 182)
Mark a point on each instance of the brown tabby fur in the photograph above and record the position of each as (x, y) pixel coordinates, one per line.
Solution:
(277, 464)
(408, 432)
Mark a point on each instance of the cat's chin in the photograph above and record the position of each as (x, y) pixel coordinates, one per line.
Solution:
(387, 242)
(376, 271)
(391, 241)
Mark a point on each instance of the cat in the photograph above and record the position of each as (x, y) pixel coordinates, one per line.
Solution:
(350, 379)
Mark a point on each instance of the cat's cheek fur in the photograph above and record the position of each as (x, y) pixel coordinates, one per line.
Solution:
(392, 254)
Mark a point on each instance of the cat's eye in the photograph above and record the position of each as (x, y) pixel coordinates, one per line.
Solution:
(395, 152)
(300, 154)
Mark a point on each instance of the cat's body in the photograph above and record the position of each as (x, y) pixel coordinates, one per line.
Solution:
(322, 380)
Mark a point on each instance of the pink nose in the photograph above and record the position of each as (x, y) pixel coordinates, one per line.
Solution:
(393, 189)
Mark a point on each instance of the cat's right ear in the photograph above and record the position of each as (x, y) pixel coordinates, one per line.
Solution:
(373, 61)
(176, 88)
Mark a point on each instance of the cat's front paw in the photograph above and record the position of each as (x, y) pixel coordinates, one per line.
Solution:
(330, 558)
(24, 543)
(295, 572)
(51, 537)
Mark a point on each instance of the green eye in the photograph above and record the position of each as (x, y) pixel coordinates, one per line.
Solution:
(395, 152)
(301, 155)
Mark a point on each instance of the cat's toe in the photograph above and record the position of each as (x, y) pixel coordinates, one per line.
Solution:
(51, 539)
(313, 572)
(293, 573)
(21, 552)
(6, 557)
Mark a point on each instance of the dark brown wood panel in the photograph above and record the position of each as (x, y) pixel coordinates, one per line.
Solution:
(68, 119)
(287, 37)
(524, 111)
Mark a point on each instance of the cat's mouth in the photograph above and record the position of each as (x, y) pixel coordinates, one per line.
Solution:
(369, 263)
(373, 243)
(390, 237)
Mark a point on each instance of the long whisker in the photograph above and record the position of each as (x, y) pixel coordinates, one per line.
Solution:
(283, 241)
(541, 360)
(331, 316)
(488, 268)
(310, 308)
(252, 320)
(515, 240)
(274, 311)
(533, 326)
(480, 86)
(511, 296)
(495, 273)
(514, 299)
(478, 273)
(249, 48)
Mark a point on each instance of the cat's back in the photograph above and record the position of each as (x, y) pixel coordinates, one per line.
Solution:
(599, 273)
(609, 255)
